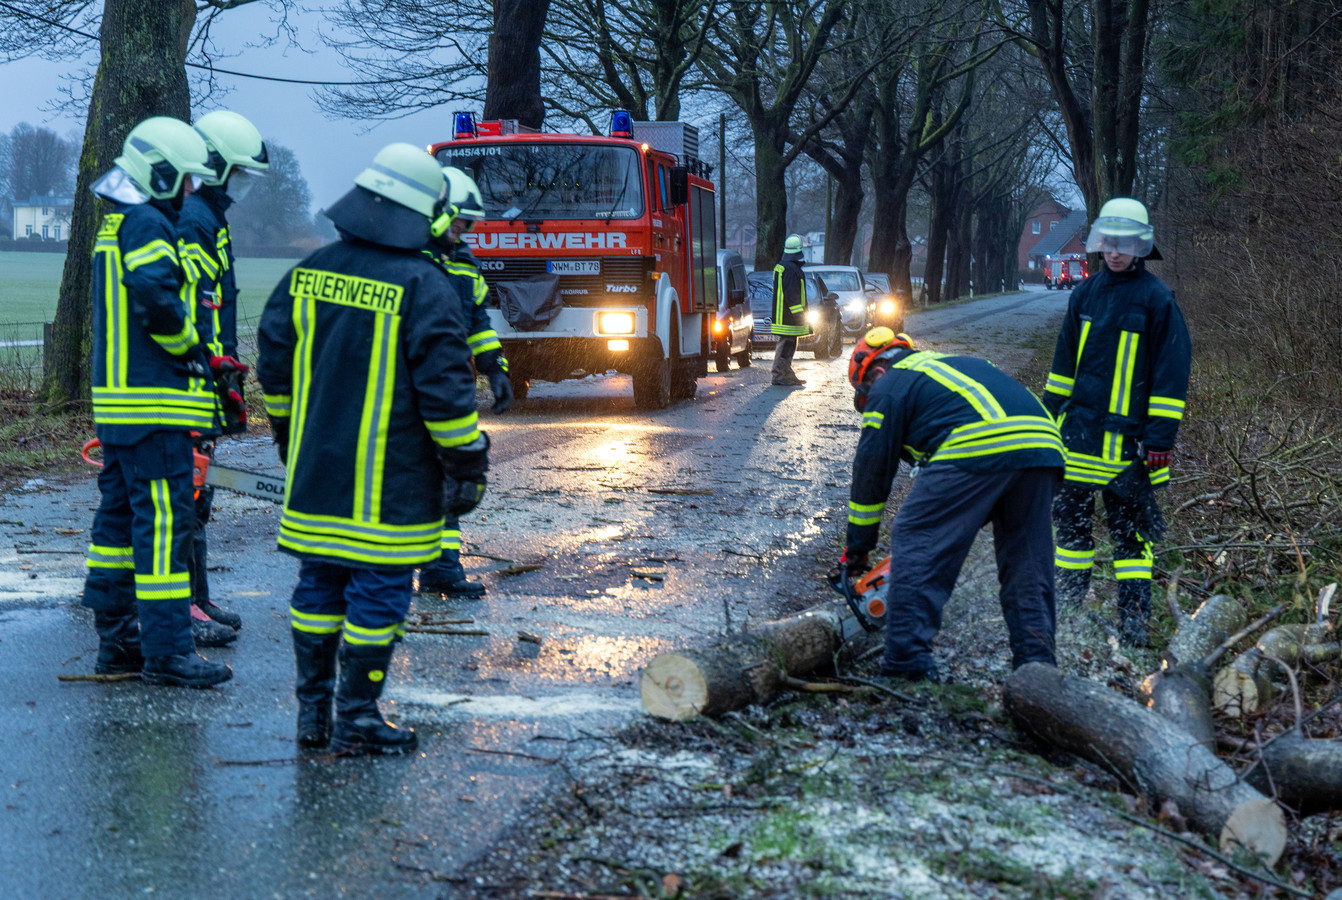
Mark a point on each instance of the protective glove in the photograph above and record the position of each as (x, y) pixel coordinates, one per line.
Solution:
(503, 390)
(851, 565)
(1158, 459)
(280, 429)
(464, 475)
(220, 364)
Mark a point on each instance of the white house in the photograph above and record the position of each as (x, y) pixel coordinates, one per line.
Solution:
(46, 217)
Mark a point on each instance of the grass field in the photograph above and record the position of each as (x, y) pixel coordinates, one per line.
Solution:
(30, 282)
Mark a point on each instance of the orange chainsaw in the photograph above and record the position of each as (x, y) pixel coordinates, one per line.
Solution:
(865, 595)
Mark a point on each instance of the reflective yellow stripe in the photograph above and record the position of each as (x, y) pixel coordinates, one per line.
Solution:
(1160, 476)
(304, 313)
(197, 254)
(357, 635)
(865, 513)
(1059, 384)
(361, 542)
(154, 250)
(1081, 342)
(455, 432)
(872, 419)
(315, 623)
(1120, 394)
(172, 586)
(1073, 559)
(483, 342)
(1000, 436)
(777, 326)
(153, 406)
(451, 539)
(1134, 569)
(969, 390)
(1168, 407)
(158, 491)
(278, 406)
(103, 557)
(371, 446)
(1086, 469)
(179, 343)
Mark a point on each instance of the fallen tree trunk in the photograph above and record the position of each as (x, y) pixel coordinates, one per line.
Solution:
(1245, 686)
(1156, 756)
(1182, 695)
(1198, 635)
(747, 668)
(1307, 774)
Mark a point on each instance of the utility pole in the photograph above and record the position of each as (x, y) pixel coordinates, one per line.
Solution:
(722, 179)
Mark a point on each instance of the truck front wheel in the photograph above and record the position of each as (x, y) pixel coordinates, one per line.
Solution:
(652, 384)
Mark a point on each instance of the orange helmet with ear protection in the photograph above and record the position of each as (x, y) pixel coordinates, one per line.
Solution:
(877, 347)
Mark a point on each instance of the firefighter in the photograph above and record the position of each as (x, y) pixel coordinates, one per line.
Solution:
(1117, 388)
(237, 155)
(789, 314)
(984, 450)
(366, 375)
(151, 389)
(447, 575)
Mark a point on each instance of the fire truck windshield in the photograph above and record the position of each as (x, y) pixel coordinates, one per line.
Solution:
(552, 180)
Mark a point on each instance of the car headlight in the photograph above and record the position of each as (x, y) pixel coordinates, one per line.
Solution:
(887, 307)
(812, 317)
(616, 323)
(854, 306)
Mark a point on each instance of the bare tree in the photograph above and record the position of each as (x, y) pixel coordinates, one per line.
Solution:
(40, 162)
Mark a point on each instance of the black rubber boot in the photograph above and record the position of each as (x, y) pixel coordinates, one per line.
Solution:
(1070, 586)
(437, 578)
(184, 670)
(359, 726)
(1134, 608)
(118, 644)
(206, 632)
(315, 661)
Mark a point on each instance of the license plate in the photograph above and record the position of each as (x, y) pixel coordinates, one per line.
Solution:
(573, 266)
(767, 337)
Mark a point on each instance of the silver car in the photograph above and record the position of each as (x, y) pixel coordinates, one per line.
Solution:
(846, 281)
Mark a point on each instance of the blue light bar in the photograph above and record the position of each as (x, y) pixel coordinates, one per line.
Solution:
(463, 125)
(621, 124)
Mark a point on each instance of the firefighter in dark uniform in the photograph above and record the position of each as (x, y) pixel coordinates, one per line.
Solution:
(367, 381)
(789, 313)
(236, 153)
(984, 450)
(151, 389)
(447, 575)
(1117, 388)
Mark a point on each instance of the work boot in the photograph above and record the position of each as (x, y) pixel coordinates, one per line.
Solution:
(359, 726)
(1134, 609)
(220, 614)
(788, 380)
(436, 579)
(208, 633)
(184, 670)
(315, 660)
(118, 644)
(1070, 586)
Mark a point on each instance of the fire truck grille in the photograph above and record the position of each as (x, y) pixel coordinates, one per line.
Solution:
(624, 277)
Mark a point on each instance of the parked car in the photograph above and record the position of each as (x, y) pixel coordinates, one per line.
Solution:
(822, 313)
(846, 281)
(733, 324)
(884, 306)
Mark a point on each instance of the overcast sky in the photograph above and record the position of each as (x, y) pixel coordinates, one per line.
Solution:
(330, 152)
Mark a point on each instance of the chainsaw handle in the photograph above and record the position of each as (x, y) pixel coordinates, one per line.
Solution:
(92, 444)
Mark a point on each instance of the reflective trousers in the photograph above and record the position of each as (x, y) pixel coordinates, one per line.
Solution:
(141, 539)
(1073, 516)
(366, 606)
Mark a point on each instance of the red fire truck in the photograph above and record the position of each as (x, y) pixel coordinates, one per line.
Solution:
(599, 250)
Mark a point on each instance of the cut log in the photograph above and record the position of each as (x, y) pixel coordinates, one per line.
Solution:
(1198, 635)
(1156, 756)
(1244, 686)
(1307, 774)
(1182, 695)
(747, 668)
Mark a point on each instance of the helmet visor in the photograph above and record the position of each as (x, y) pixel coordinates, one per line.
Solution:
(241, 181)
(1115, 235)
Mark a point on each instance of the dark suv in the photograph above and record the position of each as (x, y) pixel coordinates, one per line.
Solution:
(822, 313)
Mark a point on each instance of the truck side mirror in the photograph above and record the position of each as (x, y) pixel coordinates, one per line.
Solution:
(680, 186)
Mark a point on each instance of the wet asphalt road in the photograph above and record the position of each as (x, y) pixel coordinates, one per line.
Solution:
(649, 530)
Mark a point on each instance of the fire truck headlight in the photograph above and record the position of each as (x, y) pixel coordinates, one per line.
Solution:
(617, 345)
(887, 307)
(616, 323)
(717, 326)
(812, 317)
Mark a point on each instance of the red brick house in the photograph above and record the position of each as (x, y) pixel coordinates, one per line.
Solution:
(1038, 224)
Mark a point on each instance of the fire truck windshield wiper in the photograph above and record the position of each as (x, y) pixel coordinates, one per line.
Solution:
(610, 215)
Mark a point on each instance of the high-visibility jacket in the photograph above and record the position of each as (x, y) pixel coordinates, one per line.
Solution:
(363, 353)
(789, 315)
(142, 331)
(484, 340)
(930, 408)
(1120, 374)
(208, 260)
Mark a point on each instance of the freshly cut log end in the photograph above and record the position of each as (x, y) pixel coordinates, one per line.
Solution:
(673, 688)
(1243, 686)
(1161, 759)
(1257, 826)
